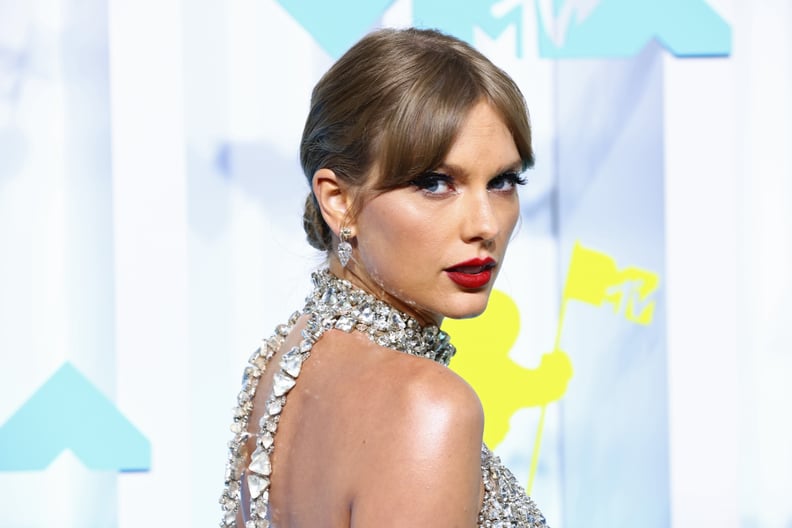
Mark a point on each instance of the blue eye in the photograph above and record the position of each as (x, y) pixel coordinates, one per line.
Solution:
(434, 183)
(506, 182)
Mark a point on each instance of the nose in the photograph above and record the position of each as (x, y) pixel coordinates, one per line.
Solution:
(480, 218)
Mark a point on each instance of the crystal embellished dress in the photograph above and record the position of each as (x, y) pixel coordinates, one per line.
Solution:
(336, 304)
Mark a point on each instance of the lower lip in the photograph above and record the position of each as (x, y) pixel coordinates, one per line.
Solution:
(470, 280)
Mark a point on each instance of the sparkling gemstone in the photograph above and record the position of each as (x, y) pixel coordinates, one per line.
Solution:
(282, 330)
(256, 485)
(396, 321)
(282, 383)
(247, 377)
(291, 362)
(260, 362)
(345, 324)
(366, 314)
(233, 487)
(274, 406)
(260, 463)
(306, 345)
(271, 425)
(263, 501)
(273, 343)
(329, 297)
(265, 440)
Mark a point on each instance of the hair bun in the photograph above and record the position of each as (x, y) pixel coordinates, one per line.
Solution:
(316, 229)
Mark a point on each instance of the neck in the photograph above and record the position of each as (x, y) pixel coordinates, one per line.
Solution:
(361, 279)
(337, 303)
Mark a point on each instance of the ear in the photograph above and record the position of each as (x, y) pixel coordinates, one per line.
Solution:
(333, 196)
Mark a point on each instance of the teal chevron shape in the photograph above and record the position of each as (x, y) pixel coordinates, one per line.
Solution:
(590, 28)
(622, 28)
(69, 412)
(336, 25)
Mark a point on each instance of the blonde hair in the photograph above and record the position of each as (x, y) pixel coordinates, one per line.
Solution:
(398, 98)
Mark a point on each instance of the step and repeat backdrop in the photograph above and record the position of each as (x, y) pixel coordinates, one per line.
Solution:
(633, 360)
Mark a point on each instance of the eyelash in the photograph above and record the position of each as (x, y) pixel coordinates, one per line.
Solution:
(513, 178)
(431, 179)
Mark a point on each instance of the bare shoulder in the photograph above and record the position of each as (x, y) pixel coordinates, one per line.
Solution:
(389, 390)
(435, 394)
(414, 454)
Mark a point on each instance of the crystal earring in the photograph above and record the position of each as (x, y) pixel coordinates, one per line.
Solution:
(344, 247)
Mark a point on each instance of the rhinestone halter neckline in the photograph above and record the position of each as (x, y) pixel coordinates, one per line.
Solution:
(334, 304)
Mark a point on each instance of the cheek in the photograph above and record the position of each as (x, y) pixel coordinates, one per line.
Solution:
(395, 225)
(381, 235)
(391, 237)
(509, 217)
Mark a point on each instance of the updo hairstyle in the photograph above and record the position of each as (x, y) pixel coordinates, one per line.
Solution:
(397, 99)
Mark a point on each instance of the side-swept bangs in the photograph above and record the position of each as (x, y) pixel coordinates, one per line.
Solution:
(438, 92)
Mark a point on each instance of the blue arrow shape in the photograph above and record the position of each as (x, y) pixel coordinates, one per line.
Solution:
(69, 412)
(336, 25)
(622, 28)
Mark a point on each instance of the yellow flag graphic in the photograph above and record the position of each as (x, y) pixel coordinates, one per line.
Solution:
(594, 278)
(484, 342)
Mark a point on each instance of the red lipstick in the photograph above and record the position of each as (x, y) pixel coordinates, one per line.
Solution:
(472, 274)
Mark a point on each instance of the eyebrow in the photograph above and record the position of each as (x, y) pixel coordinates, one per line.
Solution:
(515, 166)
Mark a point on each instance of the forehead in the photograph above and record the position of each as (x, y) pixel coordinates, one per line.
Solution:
(484, 139)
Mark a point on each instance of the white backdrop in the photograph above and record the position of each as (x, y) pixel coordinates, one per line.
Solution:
(150, 204)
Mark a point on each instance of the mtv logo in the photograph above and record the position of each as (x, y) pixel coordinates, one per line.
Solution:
(564, 28)
(587, 28)
(460, 18)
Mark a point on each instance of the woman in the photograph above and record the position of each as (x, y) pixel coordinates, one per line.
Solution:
(413, 148)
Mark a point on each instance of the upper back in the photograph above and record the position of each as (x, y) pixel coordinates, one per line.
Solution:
(364, 428)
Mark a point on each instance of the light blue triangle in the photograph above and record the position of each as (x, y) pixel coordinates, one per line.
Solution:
(69, 412)
(336, 25)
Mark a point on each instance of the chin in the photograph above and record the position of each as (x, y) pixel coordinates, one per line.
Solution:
(472, 307)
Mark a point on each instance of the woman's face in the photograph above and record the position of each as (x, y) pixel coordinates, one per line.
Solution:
(433, 248)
